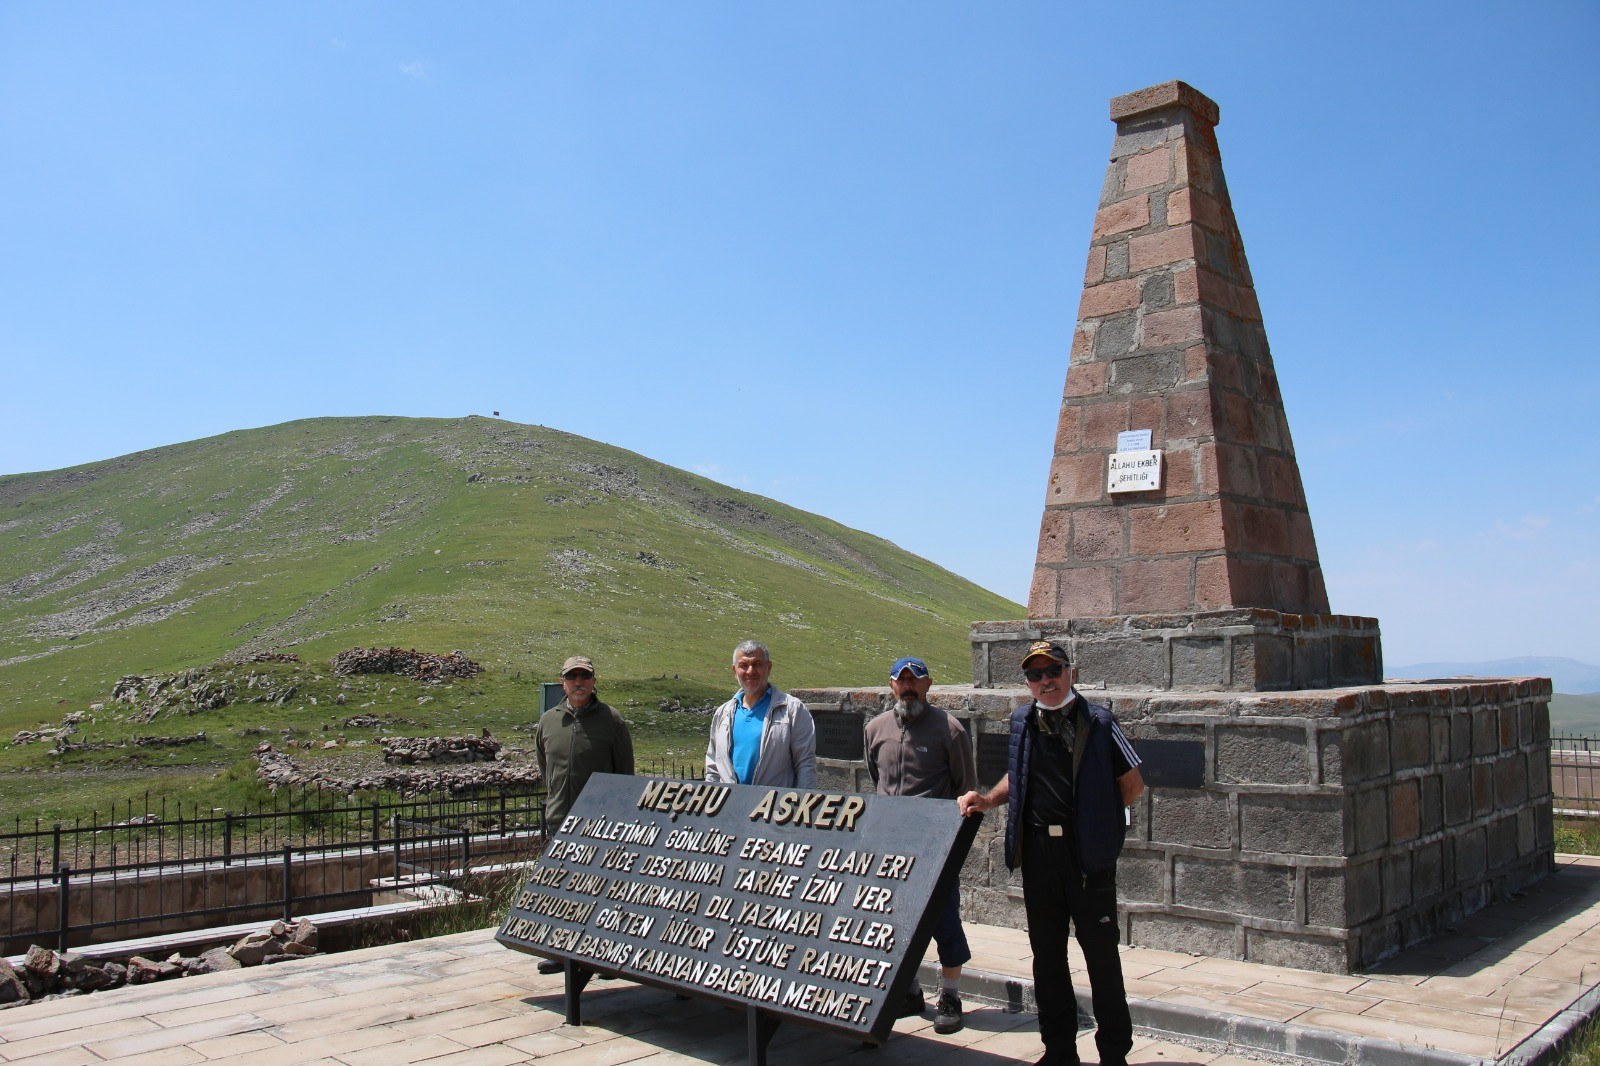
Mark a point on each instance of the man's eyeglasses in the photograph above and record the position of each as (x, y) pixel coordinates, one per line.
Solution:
(576, 675)
(1039, 673)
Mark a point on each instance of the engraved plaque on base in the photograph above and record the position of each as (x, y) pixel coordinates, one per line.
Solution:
(994, 758)
(1172, 763)
(840, 734)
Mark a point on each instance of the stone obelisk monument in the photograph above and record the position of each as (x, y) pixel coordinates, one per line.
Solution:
(1301, 811)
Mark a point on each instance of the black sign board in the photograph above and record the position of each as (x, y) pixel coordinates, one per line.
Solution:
(994, 758)
(840, 734)
(799, 904)
(1172, 763)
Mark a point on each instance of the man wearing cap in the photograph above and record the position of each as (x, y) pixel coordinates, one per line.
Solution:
(762, 736)
(916, 749)
(1072, 773)
(577, 737)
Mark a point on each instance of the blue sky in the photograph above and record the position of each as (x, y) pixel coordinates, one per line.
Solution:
(828, 252)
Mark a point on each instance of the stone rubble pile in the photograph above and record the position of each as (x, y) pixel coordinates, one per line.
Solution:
(46, 974)
(407, 751)
(420, 665)
(277, 770)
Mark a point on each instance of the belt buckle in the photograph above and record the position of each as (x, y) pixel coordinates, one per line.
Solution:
(1053, 830)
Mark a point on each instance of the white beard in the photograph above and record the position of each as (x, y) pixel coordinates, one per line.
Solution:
(908, 710)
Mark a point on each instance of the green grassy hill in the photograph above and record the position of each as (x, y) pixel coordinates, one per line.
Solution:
(1575, 715)
(518, 545)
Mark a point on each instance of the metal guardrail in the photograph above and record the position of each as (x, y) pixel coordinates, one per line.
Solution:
(1575, 775)
(154, 864)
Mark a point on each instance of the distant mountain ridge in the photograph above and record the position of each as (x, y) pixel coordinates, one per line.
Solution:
(519, 544)
(1566, 675)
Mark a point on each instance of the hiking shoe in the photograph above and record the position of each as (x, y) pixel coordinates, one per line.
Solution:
(914, 1003)
(947, 1019)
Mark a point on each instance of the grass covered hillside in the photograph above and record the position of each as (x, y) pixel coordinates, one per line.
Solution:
(516, 544)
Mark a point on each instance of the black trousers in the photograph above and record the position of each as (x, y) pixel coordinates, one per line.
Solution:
(1054, 892)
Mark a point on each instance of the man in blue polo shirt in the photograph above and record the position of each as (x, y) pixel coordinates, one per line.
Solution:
(1072, 774)
(762, 736)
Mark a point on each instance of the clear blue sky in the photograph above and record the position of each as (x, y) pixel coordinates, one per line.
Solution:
(828, 252)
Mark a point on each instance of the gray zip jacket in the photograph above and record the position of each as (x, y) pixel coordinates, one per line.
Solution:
(788, 745)
(928, 757)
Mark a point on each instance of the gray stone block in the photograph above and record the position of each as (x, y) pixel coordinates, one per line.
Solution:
(1115, 336)
(1252, 754)
(1124, 662)
(1432, 812)
(1293, 824)
(1196, 819)
(1440, 725)
(1311, 662)
(1502, 842)
(1168, 932)
(1482, 789)
(1526, 838)
(1410, 741)
(1366, 751)
(1371, 819)
(1146, 375)
(1364, 891)
(1485, 731)
(1199, 663)
(1330, 755)
(1117, 260)
(1142, 877)
(1263, 662)
(1471, 848)
(1457, 795)
(1460, 736)
(1252, 889)
(1427, 870)
(1538, 774)
(1397, 886)
(1511, 780)
(1301, 951)
(1326, 896)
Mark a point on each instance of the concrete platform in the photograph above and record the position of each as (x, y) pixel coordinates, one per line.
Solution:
(1505, 986)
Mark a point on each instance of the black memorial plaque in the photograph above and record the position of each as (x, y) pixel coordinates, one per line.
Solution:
(840, 734)
(1172, 763)
(799, 904)
(994, 758)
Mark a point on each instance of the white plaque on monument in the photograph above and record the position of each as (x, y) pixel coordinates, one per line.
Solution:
(1134, 471)
(1133, 440)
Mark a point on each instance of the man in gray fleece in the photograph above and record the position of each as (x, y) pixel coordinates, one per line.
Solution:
(916, 749)
(762, 736)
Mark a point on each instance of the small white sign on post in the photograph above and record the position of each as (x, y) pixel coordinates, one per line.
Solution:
(1134, 471)
(1133, 440)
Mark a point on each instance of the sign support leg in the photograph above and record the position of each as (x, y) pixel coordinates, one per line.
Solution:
(759, 1027)
(577, 978)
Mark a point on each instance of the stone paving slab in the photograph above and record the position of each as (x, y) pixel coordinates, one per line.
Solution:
(1502, 987)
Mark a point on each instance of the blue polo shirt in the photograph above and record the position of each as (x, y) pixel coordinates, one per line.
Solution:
(748, 723)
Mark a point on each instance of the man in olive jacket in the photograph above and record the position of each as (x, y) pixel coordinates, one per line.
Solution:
(577, 737)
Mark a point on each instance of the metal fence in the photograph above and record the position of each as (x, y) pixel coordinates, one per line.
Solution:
(152, 866)
(1575, 776)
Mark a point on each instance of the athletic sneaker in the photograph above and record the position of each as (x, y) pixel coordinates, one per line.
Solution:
(913, 1004)
(948, 1018)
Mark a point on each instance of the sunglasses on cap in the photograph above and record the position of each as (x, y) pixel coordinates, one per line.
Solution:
(1039, 673)
(576, 675)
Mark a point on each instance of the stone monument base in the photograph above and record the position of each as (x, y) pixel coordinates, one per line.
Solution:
(1236, 650)
(1321, 830)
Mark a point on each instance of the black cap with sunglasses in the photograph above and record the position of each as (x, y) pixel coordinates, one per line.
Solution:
(1044, 649)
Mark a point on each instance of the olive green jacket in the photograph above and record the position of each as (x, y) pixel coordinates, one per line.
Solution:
(571, 745)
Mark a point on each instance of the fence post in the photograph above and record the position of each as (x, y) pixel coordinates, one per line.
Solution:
(64, 878)
(55, 854)
(466, 851)
(288, 881)
(502, 812)
(227, 837)
(377, 834)
(395, 822)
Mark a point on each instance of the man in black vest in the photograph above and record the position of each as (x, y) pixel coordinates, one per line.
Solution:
(1072, 774)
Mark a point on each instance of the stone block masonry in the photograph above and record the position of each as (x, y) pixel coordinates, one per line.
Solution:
(1330, 828)
(1170, 339)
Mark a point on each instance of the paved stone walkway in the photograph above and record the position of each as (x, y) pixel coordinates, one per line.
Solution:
(1500, 987)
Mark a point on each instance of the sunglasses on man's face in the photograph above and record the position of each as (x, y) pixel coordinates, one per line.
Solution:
(1039, 673)
(577, 675)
